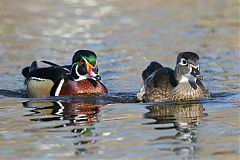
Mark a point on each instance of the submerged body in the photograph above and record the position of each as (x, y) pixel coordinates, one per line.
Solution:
(164, 84)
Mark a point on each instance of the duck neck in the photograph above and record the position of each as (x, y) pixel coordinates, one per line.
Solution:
(185, 79)
(177, 76)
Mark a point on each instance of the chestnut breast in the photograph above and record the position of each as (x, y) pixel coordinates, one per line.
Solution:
(83, 86)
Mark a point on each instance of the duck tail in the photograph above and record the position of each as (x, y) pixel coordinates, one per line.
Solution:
(33, 66)
(27, 70)
(150, 69)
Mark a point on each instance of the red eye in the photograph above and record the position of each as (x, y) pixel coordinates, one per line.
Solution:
(82, 61)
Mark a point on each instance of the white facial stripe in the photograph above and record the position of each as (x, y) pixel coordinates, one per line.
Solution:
(76, 71)
(183, 64)
(89, 63)
(85, 60)
(59, 87)
(196, 67)
(82, 77)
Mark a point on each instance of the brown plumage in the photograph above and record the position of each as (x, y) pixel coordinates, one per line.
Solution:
(164, 84)
(84, 86)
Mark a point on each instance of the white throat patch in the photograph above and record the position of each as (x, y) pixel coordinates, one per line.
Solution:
(81, 77)
(186, 78)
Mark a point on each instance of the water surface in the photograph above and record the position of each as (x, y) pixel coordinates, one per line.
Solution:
(127, 36)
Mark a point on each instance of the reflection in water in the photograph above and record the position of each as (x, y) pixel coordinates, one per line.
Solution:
(183, 117)
(81, 115)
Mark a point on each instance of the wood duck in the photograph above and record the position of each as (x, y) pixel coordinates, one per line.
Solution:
(78, 78)
(182, 84)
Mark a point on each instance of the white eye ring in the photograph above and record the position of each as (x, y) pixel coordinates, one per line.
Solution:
(183, 62)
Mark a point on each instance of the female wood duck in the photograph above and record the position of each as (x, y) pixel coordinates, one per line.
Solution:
(79, 77)
(164, 84)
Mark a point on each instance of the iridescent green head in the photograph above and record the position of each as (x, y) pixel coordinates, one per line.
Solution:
(84, 65)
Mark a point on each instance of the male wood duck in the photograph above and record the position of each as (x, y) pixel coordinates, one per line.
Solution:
(182, 84)
(78, 78)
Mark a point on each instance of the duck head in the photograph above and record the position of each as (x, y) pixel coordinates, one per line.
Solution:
(84, 66)
(187, 68)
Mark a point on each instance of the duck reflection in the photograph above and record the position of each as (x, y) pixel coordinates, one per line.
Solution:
(182, 117)
(81, 115)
